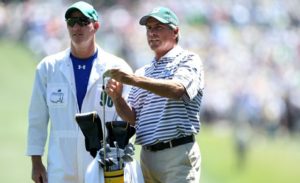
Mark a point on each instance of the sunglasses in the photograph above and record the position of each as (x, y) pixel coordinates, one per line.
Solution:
(81, 21)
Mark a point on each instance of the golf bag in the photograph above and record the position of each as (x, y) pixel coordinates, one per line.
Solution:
(113, 153)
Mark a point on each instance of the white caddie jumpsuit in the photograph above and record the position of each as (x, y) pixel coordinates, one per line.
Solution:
(54, 99)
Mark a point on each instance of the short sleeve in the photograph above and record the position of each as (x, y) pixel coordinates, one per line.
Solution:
(190, 74)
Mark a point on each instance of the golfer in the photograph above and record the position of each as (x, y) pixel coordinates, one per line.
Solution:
(164, 103)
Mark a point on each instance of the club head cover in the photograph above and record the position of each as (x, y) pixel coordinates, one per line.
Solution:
(119, 131)
(90, 125)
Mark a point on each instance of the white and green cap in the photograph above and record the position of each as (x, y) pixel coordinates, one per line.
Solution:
(85, 8)
(162, 14)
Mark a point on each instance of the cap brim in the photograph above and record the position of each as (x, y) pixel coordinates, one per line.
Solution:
(144, 19)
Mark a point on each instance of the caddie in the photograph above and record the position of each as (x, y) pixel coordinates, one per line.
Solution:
(67, 83)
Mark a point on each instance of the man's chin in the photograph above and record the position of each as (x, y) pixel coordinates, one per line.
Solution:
(154, 47)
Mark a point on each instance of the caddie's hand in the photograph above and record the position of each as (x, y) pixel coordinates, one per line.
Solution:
(114, 89)
(120, 75)
(39, 174)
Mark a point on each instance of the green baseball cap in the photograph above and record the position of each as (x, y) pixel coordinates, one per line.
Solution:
(85, 8)
(162, 14)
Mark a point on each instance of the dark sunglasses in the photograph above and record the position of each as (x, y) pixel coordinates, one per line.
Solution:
(81, 21)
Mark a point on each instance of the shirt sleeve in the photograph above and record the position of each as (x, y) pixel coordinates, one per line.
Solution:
(190, 74)
(38, 116)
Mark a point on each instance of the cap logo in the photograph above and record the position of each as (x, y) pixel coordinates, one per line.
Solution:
(156, 10)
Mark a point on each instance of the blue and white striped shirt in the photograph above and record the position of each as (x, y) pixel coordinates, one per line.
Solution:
(160, 118)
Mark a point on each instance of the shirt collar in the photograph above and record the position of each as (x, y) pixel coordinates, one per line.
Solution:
(172, 53)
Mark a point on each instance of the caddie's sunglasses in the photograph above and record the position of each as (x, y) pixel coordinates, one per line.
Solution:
(81, 21)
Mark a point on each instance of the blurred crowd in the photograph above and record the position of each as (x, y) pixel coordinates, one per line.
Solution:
(250, 49)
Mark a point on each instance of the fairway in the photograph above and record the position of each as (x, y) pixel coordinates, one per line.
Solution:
(269, 160)
(16, 79)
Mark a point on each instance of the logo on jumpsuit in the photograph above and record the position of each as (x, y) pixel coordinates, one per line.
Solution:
(57, 97)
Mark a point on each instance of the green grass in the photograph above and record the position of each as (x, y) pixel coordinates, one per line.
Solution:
(271, 160)
(268, 160)
(16, 76)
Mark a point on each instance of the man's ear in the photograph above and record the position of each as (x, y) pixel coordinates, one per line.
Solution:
(96, 25)
(176, 32)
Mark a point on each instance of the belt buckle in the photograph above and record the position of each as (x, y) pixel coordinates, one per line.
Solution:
(170, 144)
(149, 148)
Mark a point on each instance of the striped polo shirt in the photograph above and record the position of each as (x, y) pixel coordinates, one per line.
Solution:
(162, 119)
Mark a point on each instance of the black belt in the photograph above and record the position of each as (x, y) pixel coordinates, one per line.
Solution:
(173, 143)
